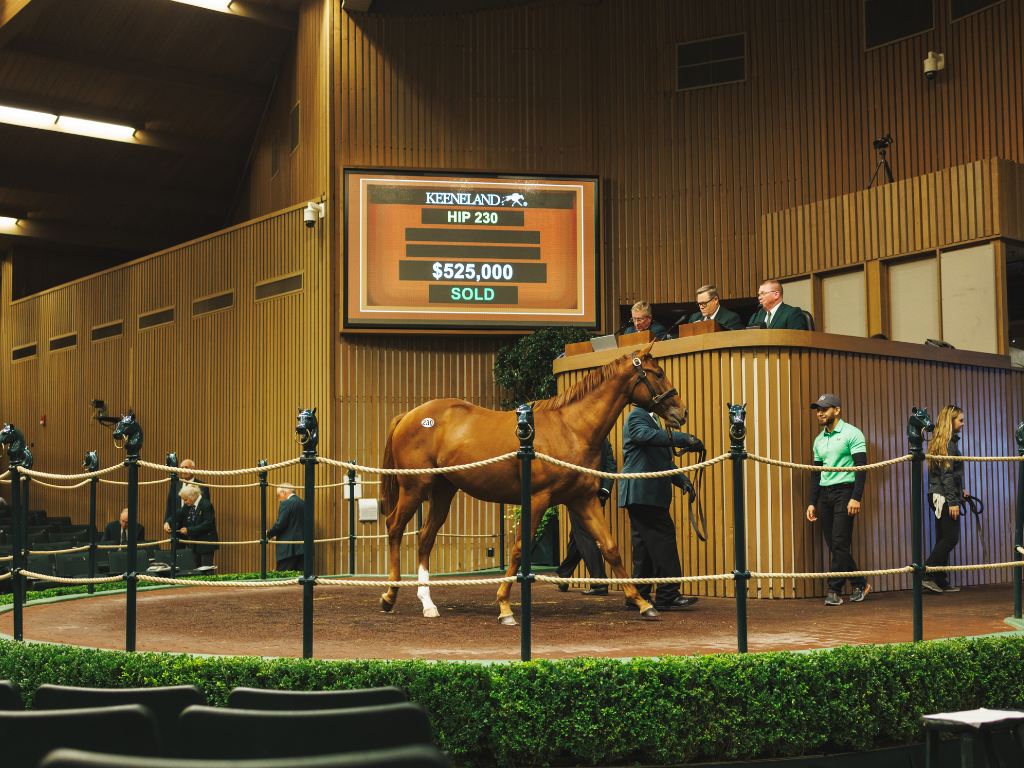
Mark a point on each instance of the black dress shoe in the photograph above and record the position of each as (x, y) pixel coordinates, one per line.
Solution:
(601, 590)
(562, 587)
(679, 602)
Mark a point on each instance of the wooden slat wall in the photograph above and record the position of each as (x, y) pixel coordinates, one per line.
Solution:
(778, 383)
(221, 389)
(977, 201)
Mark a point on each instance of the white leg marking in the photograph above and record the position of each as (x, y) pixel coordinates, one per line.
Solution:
(423, 593)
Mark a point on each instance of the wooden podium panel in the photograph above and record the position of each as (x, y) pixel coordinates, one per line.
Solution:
(699, 328)
(625, 340)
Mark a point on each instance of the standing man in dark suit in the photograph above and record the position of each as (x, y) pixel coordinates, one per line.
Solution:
(646, 447)
(774, 312)
(581, 546)
(290, 526)
(642, 321)
(116, 531)
(711, 309)
(174, 502)
(196, 521)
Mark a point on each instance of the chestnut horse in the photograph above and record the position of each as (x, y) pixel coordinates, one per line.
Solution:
(570, 427)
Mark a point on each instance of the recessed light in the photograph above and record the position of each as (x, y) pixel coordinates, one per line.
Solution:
(95, 128)
(213, 5)
(7, 221)
(26, 117)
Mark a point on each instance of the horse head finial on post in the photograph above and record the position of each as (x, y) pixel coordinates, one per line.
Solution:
(737, 425)
(524, 427)
(918, 423)
(128, 435)
(15, 442)
(92, 461)
(307, 430)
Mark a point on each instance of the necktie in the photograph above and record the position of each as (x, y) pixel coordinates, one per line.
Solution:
(124, 535)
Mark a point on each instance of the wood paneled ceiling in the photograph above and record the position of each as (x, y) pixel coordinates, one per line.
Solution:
(194, 82)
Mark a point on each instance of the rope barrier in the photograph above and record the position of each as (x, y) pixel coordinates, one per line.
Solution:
(191, 583)
(125, 482)
(632, 475)
(65, 580)
(812, 468)
(6, 559)
(6, 576)
(82, 476)
(425, 471)
(232, 485)
(146, 544)
(57, 551)
(660, 580)
(431, 583)
(66, 487)
(225, 543)
(986, 566)
(832, 574)
(221, 472)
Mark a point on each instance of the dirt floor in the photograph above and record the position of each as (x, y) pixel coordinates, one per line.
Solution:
(349, 624)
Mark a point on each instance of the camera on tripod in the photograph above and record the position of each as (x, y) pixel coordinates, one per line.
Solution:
(885, 142)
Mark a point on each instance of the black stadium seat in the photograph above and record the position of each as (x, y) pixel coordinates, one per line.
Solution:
(291, 701)
(27, 737)
(10, 697)
(417, 756)
(166, 703)
(248, 734)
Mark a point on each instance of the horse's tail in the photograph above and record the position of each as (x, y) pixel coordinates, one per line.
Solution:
(389, 483)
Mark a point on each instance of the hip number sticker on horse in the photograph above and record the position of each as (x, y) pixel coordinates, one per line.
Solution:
(427, 422)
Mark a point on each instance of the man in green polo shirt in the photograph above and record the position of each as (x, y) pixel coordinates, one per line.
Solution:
(835, 496)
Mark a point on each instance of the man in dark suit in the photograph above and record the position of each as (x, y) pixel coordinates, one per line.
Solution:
(642, 321)
(774, 312)
(174, 502)
(646, 447)
(581, 546)
(116, 531)
(290, 526)
(711, 309)
(196, 521)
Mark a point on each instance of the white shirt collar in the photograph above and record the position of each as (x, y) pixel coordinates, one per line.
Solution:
(712, 317)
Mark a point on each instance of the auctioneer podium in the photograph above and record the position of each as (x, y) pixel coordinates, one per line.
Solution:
(643, 337)
(778, 374)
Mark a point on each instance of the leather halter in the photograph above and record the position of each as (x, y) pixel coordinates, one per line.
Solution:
(641, 376)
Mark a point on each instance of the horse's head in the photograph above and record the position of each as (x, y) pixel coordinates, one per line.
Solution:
(652, 390)
(307, 430)
(738, 421)
(128, 433)
(92, 462)
(919, 423)
(15, 442)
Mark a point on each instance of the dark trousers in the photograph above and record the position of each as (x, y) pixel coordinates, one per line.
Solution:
(581, 547)
(293, 563)
(204, 559)
(837, 526)
(653, 535)
(947, 536)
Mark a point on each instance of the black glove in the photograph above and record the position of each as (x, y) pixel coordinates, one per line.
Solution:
(603, 494)
(687, 486)
(695, 446)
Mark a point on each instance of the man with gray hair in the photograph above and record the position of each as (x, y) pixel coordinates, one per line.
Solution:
(174, 502)
(643, 321)
(197, 522)
(290, 526)
(711, 309)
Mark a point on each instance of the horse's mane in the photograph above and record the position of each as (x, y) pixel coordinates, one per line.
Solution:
(580, 389)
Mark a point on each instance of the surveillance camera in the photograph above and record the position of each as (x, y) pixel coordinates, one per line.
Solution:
(311, 213)
(933, 64)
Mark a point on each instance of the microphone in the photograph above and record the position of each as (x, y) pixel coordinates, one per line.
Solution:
(677, 323)
(628, 323)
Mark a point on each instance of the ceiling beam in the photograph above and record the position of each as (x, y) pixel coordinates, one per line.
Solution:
(18, 15)
(136, 68)
(48, 182)
(77, 234)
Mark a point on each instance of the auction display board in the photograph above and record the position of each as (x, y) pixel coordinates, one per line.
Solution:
(439, 251)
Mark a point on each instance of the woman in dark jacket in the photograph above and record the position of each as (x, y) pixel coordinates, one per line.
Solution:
(946, 491)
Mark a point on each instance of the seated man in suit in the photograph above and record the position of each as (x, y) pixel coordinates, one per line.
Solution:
(642, 321)
(116, 532)
(773, 312)
(711, 309)
(197, 522)
(290, 526)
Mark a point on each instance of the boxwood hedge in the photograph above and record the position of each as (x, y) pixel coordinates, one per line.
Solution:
(590, 711)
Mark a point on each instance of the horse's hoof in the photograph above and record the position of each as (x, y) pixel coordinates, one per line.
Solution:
(650, 613)
(508, 620)
(385, 606)
(430, 613)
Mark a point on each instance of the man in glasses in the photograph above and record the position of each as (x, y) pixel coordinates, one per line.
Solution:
(773, 312)
(642, 321)
(711, 309)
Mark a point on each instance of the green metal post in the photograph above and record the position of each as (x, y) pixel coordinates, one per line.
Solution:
(26, 463)
(129, 430)
(738, 454)
(524, 431)
(352, 519)
(308, 425)
(918, 423)
(172, 461)
(263, 520)
(1018, 531)
(92, 463)
(15, 442)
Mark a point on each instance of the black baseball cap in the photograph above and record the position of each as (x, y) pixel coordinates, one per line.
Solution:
(827, 401)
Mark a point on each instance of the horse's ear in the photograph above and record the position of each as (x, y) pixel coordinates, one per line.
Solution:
(314, 411)
(645, 351)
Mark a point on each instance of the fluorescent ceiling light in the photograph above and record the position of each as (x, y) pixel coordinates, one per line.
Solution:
(213, 5)
(26, 117)
(95, 128)
(7, 221)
